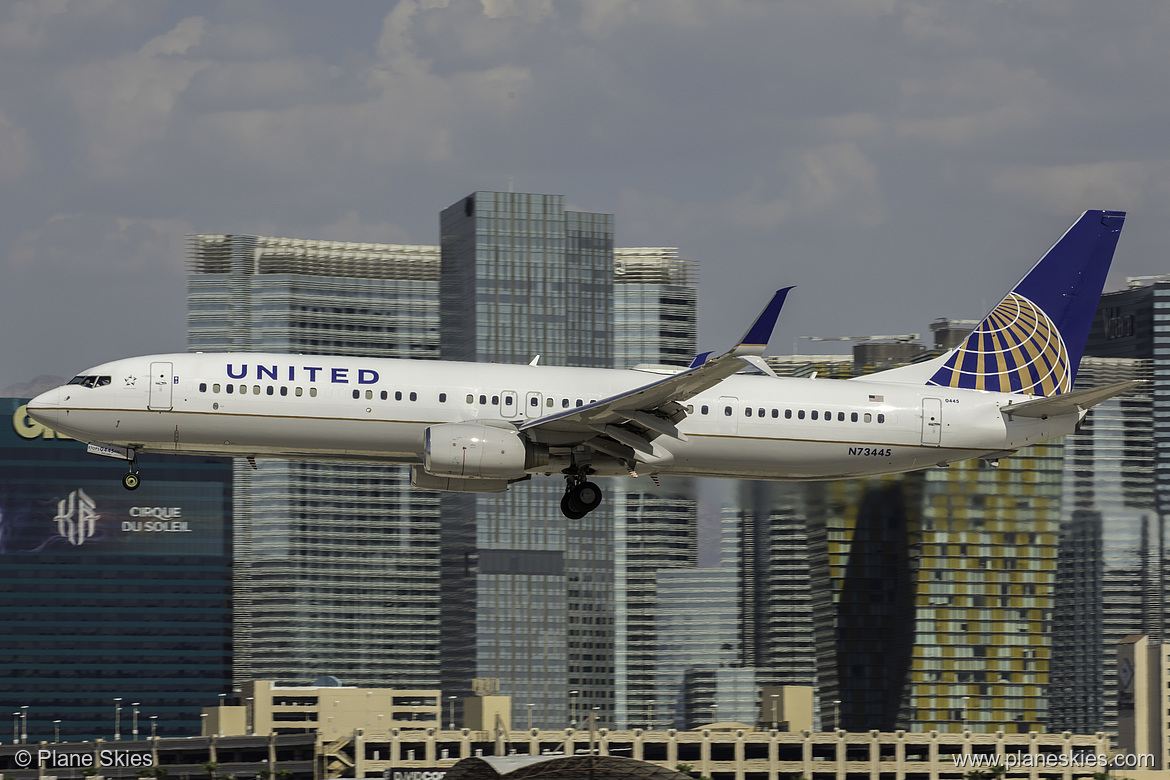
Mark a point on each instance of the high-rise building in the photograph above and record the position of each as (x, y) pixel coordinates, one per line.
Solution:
(920, 617)
(527, 593)
(335, 563)
(1113, 573)
(654, 521)
(117, 606)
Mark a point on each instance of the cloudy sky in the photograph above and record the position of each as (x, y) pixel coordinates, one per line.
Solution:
(899, 160)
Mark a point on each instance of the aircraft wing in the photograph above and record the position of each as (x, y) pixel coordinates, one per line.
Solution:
(630, 421)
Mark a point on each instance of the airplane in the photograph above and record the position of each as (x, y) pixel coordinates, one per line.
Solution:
(480, 428)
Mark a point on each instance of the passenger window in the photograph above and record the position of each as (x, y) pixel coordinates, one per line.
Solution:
(747, 412)
(704, 409)
(243, 389)
(868, 417)
(369, 395)
(881, 418)
(215, 388)
(800, 414)
(775, 413)
(761, 412)
(284, 390)
(203, 387)
(564, 403)
(814, 415)
(230, 388)
(829, 416)
(270, 390)
(840, 416)
(690, 408)
(534, 401)
(495, 400)
(356, 393)
(397, 395)
(507, 400)
(384, 395)
(255, 389)
(414, 396)
(312, 392)
(580, 402)
(442, 398)
(298, 392)
(727, 411)
(787, 414)
(853, 417)
(483, 399)
(548, 402)
(470, 397)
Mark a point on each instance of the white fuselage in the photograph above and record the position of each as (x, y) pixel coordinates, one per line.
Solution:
(748, 426)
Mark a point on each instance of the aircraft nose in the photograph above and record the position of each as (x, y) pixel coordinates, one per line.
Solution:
(44, 407)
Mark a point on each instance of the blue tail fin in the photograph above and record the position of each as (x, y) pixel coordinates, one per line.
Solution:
(1033, 340)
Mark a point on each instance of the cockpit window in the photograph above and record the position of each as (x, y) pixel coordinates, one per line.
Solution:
(90, 381)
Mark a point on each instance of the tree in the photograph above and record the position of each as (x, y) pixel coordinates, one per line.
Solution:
(209, 767)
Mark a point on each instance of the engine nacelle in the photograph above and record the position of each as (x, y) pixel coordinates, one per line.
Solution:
(477, 451)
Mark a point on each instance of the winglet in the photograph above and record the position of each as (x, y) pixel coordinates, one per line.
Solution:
(756, 339)
(700, 359)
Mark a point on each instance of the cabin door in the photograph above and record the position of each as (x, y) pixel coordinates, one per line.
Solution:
(161, 384)
(932, 422)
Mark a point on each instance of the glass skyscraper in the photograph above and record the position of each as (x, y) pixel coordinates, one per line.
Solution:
(527, 593)
(654, 520)
(1114, 569)
(335, 563)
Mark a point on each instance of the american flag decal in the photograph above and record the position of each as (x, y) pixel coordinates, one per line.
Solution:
(877, 399)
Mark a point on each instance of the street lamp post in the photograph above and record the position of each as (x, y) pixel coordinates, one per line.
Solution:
(118, 719)
(24, 724)
(836, 714)
(714, 713)
(965, 700)
(56, 731)
(203, 724)
(775, 721)
(153, 726)
(451, 709)
(530, 706)
(135, 730)
(573, 707)
(16, 728)
(651, 714)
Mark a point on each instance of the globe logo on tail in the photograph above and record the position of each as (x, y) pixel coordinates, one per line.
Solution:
(1017, 349)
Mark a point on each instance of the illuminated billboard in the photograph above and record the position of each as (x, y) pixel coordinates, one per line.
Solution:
(54, 498)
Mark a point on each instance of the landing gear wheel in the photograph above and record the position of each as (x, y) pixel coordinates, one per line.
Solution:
(581, 497)
(586, 495)
(571, 509)
(130, 480)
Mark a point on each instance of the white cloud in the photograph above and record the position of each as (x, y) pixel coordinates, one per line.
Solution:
(1068, 189)
(17, 151)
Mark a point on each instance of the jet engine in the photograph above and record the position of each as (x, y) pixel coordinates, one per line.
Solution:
(478, 451)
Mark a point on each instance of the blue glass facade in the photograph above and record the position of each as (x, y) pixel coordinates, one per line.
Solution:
(107, 594)
(527, 594)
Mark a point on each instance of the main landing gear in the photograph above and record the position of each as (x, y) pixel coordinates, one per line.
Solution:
(581, 497)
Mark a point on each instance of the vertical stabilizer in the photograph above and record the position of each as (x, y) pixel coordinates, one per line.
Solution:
(1033, 340)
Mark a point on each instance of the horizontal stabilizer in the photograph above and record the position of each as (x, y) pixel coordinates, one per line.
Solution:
(1068, 403)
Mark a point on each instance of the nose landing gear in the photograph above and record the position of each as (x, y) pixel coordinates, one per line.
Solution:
(130, 479)
(581, 497)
